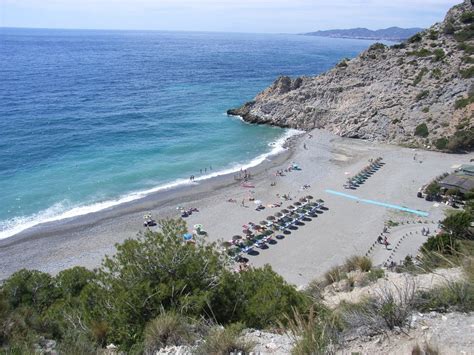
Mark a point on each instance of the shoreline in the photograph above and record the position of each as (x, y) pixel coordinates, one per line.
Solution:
(163, 197)
(346, 228)
(71, 215)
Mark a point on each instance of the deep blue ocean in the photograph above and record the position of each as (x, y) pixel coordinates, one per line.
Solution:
(92, 118)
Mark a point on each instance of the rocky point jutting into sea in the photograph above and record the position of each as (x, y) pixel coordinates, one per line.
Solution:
(416, 93)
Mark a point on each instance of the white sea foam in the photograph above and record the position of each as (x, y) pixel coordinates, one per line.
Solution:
(63, 210)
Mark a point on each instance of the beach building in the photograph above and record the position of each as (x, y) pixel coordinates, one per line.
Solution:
(462, 179)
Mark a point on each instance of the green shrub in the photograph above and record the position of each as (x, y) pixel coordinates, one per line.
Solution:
(461, 141)
(433, 35)
(168, 329)
(436, 73)
(375, 274)
(465, 34)
(420, 76)
(377, 46)
(468, 59)
(466, 48)
(441, 143)
(258, 298)
(225, 341)
(457, 296)
(415, 38)
(422, 95)
(449, 28)
(315, 331)
(467, 17)
(458, 225)
(442, 243)
(438, 54)
(422, 130)
(467, 73)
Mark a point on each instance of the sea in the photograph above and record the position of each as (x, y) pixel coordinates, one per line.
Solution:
(91, 119)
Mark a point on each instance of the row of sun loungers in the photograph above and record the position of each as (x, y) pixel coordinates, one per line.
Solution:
(262, 234)
(355, 181)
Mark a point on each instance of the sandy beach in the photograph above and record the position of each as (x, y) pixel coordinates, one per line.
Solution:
(347, 227)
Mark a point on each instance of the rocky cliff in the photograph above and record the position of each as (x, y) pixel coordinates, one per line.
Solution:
(418, 93)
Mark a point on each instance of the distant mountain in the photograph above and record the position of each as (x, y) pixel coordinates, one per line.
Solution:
(390, 34)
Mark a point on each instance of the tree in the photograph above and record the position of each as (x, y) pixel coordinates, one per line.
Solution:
(257, 297)
(458, 224)
(154, 272)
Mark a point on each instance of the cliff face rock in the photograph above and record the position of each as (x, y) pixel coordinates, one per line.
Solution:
(423, 85)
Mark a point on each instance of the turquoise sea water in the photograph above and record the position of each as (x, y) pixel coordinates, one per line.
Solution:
(92, 118)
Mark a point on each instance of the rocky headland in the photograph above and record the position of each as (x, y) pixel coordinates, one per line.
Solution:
(416, 93)
(388, 34)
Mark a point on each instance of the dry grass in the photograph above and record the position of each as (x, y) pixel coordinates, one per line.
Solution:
(225, 341)
(167, 329)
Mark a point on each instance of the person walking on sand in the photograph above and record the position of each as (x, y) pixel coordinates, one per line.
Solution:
(243, 202)
(304, 146)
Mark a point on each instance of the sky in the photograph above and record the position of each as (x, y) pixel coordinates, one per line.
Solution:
(257, 16)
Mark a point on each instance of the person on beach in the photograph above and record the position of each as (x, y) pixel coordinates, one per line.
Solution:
(304, 146)
(243, 202)
(200, 171)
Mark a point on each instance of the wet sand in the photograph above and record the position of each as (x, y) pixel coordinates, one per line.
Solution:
(347, 227)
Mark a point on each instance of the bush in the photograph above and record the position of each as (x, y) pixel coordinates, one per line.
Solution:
(420, 76)
(439, 54)
(422, 95)
(465, 34)
(461, 141)
(389, 308)
(467, 17)
(377, 46)
(334, 274)
(168, 329)
(449, 28)
(355, 262)
(458, 224)
(225, 341)
(314, 332)
(443, 244)
(421, 130)
(258, 298)
(415, 38)
(441, 143)
(433, 35)
(457, 296)
(376, 274)
(467, 73)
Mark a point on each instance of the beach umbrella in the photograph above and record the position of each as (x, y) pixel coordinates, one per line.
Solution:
(187, 236)
(278, 214)
(302, 199)
(297, 204)
(309, 197)
(257, 202)
(320, 201)
(236, 237)
(263, 223)
(197, 226)
(270, 218)
(247, 231)
(284, 210)
(291, 207)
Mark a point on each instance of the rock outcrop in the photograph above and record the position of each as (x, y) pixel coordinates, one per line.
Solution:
(419, 92)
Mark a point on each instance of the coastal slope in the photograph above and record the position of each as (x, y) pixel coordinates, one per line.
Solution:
(389, 34)
(417, 93)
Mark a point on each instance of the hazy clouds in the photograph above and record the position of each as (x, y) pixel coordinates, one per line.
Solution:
(222, 15)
